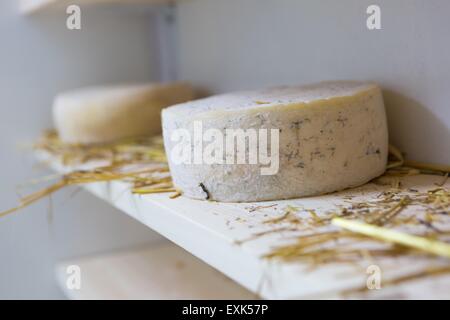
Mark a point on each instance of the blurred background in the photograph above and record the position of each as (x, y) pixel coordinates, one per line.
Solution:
(220, 46)
(39, 58)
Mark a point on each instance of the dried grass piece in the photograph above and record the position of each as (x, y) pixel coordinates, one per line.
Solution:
(118, 156)
(153, 190)
(396, 153)
(386, 216)
(26, 201)
(176, 194)
(256, 208)
(392, 236)
(427, 166)
(444, 181)
(104, 174)
(131, 150)
(288, 214)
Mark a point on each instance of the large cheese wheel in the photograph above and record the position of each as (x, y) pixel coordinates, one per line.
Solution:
(332, 136)
(104, 114)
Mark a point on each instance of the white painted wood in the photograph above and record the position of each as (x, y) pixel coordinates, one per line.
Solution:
(212, 232)
(162, 271)
(32, 6)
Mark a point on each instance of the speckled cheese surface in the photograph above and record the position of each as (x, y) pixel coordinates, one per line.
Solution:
(104, 114)
(332, 136)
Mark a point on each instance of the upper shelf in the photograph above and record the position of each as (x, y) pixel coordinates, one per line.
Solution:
(224, 235)
(32, 6)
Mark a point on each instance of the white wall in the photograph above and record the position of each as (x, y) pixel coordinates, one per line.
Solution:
(236, 44)
(38, 58)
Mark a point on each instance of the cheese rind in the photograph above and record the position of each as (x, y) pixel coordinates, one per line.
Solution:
(333, 135)
(104, 114)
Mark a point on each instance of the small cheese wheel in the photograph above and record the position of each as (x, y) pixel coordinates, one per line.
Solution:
(332, 136)
(104, 114)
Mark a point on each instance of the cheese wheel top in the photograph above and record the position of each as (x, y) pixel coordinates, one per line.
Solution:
(115, 94)
(108, 113)
(270, 97)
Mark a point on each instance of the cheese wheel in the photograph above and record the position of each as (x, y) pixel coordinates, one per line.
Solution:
(104, 114)
(332, 136)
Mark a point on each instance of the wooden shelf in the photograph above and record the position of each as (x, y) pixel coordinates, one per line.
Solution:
(32, 6)
(214, 232)
(161, 271)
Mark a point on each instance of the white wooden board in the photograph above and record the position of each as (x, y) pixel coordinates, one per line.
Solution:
(161, 271)
(214, 232)
(32, 6)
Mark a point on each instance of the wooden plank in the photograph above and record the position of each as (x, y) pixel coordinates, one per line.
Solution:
(33, 6)
(161, 271)
(214, 232)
